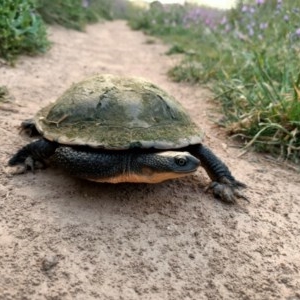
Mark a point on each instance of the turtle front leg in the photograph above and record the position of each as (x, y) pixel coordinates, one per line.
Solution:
(223, 185)
(32, 156)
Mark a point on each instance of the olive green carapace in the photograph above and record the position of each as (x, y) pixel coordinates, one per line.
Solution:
(112, 112)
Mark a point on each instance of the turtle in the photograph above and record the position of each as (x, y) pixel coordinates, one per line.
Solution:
(110, 128)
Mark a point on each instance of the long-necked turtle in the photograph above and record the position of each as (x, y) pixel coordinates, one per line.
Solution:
(116, 129)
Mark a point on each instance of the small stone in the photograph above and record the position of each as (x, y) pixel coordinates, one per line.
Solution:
(49, 262)
(3, 191)
(191, 256)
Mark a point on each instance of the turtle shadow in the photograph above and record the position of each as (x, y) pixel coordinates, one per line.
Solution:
(130, 197)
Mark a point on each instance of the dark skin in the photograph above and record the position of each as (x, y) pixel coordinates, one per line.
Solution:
(81, 162)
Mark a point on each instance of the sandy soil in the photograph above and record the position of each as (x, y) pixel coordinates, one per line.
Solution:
(64, 238)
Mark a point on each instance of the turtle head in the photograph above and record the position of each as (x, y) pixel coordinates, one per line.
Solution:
(160, 166)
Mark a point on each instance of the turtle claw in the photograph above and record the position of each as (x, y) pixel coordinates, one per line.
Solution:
(16, 170)
(28, 164)
(226, 190)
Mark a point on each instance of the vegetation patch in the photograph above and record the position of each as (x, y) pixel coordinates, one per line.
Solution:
(77, 14)
(4, 94)
(21, 29)
(249, 57)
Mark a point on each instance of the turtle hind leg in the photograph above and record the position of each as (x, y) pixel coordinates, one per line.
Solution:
(223, 185)
(28, 127)
(33, 155)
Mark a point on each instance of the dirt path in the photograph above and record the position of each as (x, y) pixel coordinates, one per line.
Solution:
(63, 238)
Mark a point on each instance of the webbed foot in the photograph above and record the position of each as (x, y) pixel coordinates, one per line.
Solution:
(226, 190)
(28, 164)
(32, 156)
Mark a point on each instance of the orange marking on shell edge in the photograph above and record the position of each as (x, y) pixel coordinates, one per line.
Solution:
(147, 178)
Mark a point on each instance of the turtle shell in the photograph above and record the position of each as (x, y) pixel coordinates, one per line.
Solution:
(112, 112)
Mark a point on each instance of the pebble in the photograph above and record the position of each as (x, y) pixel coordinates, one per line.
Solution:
(49, 262)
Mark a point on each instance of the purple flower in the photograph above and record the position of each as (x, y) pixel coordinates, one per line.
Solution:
(85, 3)
(227, 28)
(297, 32)
(244, 8)
(223, 21)
(286, 18)
(263, 26)
(259, 2)
(252, 10)
(250, 31)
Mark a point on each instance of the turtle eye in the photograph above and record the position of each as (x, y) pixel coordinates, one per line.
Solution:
(180, 161)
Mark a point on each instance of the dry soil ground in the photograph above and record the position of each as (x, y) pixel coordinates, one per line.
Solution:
(64, 238)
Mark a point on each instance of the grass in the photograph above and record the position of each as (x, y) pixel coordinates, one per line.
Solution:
(248, 56)
(4, 94)
(21, 29)
(76, 14)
